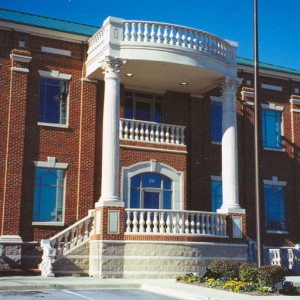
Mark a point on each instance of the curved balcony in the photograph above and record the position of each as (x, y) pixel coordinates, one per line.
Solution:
(161, 55)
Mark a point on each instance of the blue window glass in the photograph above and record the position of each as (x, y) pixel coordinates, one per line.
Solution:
(216, 195)
(53, 101)
(274, 207)
(216, 121)
(48, 195)
(150, 190)
(271, 129)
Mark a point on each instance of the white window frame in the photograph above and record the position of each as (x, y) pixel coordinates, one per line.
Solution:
(59, 76)
(177, 178)
(51, 163)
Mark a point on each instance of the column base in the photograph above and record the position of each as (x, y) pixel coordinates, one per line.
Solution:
(109, 202)
(231, 210)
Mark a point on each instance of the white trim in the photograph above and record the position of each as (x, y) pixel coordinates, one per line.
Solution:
(21, 58)
(22, 70)
(247, 94)
(89, 80)
(295, 101)
(272, 87)
(216, 143)
(53, 125)
(10, 239)
(277, 231)
(198, 96)
(155, 149)
(113, 224)
(56, 51)
(295, 110)
(215, 178)
(274, 149)
(48, 223)
(216, 99)
(177, 178)
(274, 182)
(51, 163)
(55, 74)
(248, 103)
(272, 106)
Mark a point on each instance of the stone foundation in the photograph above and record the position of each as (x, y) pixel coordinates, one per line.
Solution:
(138, 259)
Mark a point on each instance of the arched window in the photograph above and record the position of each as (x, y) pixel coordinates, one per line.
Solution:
(151, 190)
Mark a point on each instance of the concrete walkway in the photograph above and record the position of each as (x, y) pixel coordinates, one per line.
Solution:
(165, 287)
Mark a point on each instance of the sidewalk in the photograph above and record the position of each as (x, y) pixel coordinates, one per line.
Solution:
(165, 287)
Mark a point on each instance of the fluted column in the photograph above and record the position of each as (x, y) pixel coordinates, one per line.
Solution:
(230, 148)
(110, 145)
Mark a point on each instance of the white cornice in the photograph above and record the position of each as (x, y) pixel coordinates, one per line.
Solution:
(42, 32)
(21, 58)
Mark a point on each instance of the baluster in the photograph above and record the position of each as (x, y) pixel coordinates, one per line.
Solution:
(146, 132)
(175, 223)
(152, 34)
(72, 238)
(146, 33)
(152, 133)
(136, 131)
(157, 133)
(212, 224)
(142, 222)
(166, 41)
(192, 223)
(181, 222)
(187, 224)
(79, 237)
(200, 42)
(66, 244)
(195, 41)
(177, 37)
(135, 222)
(126, 130)
(162, 223)
(207, 224)
(155, 222)
(159, 34)
(162, 134)
(86, 230)
(217, 225)
(133, 33)
(148, 222)
(172, 135)
(224, 225)
(168, 223)
(131, 130)
(126, 33)
(142, 132)
(290, 258)
(121, 130)
(128, 222)
(177, 136)
(198, 224)
(182, 136)
(183, 38)
(172, 36)
(167, 134)
(189, 39)
(203, 228)
(139, 33)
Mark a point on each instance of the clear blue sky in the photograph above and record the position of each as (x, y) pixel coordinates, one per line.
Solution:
(279, 29)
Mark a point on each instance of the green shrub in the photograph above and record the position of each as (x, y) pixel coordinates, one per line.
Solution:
(269, 275)
(248, 273)
(228, 269)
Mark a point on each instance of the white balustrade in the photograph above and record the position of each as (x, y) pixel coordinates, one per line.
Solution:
(275, 257)
(151, 221)
(136, 130)
(74, 235)
(174, 35)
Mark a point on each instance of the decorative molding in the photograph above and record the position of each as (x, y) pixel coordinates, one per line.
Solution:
(22, 70)
(55, 74)
(112, 66)
(155, 149)
(89, 80)
(230, 83)
(10, 239)
(275, 182)
(271, 87)
(56, 51)
(21, 58)
(272, 106)
(51, 163)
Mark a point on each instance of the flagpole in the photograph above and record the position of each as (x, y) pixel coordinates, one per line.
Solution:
(256, 138)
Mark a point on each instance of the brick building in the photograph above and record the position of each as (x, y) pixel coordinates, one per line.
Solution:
(139, 136)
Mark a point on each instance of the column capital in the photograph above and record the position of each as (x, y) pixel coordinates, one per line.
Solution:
(230, 83)
(112, 66)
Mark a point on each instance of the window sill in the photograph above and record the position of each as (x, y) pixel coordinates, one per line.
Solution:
(48, 223)
(53, 125)
(277, 231)
(216, 143)
(274, 149)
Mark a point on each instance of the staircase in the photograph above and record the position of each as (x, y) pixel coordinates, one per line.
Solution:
(67, 253)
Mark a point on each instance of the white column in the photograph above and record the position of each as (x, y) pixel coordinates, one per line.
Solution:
(110, 144)
(230, 148)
